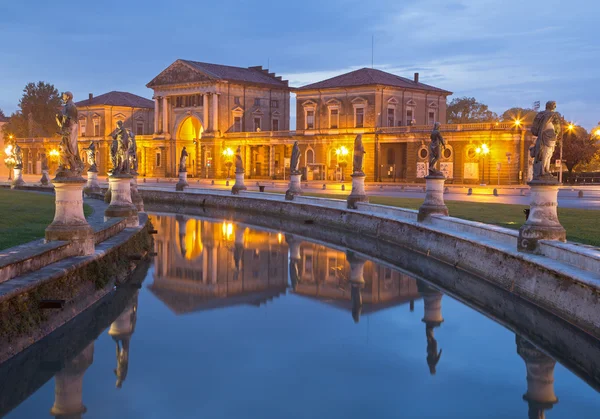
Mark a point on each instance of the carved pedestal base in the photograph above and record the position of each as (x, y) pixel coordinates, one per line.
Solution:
(239, 184)
(294, 188)
(69, 221)
(17, 179)
(92, 183)
(434, 197)
(542, 223)
(182, 183)
(136, 197)
(120, 200)
(358, 193)
(45, 180)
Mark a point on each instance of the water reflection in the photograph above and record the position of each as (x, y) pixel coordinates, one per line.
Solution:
(121, 331)
(432, 307)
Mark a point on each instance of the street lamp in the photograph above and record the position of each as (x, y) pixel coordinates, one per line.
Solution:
(483, 150)
(228, 155)
(341, 153)
(570, 129)
(10, 160)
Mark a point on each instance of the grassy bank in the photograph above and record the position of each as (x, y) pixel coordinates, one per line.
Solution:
(24, 216)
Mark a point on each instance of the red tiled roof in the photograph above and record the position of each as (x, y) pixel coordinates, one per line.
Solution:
(118, 99)
(247, 75)
(369, 77)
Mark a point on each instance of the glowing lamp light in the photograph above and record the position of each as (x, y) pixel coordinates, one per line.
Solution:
(597, 133)
(53, 153)
(517, 122)
(8, 150)
(342, 151)
(570, 127)
(228, 152)
(279, 238)
(485, 149)
(478, 150)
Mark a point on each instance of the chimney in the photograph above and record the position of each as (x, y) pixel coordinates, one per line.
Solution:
(91, 97)
(416, 77)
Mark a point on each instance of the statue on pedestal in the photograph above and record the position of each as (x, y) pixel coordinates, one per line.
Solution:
(547, 128)
(183, 160)
(437, 142)
(119, 150)
(132, 153)
(18, 154)
(359, 153)
(44, 159)
(295, 160)
(239, 162)
(91, 156)
(70, 165)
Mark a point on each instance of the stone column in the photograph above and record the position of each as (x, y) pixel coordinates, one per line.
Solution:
(358, 193)
(271, 160)
(434, 197)
(205, 122)
(165, 115)
(68, 387)
(121, 204)
(295, 258)
(540, 378)
(215, 112)
(357, 282)
(17, 178)
(156, 114)
(136, 197)
(69, 222)
(121, 331)
(542, 223)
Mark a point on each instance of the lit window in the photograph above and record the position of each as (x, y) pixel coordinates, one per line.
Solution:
(256, 124)
(96, 128)
(139, 128)
(334, 118)
(82, 127)
(359, 117)
(409, 117)
(391, 117)
(310, 119)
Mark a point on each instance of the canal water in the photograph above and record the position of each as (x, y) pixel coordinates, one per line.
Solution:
(233, 321)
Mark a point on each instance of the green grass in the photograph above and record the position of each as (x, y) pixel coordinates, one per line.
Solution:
(24, 216)
(583, 226)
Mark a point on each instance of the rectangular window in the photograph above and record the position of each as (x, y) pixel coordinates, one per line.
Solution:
(391, 117)
(236, 100)
(275, 124)
(431, 117)
(200, 100)
(274, 104)
(96, 128)
(139, 128)
(409, 117)
(237, 124)
(310, 119)
(334, 118)
(82, 127)
(257, 102)
(256, 124)
(359, 117)
(158, 159)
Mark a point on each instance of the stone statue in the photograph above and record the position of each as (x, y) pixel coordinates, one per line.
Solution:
(69, 162)
(437, 142)
(91, 156)
(183, 160)
(547, 128)
(132, 153)
(239, 163)
(18, 154)
(44, 159)
(119, 150)
(295, 160)
(359, 153)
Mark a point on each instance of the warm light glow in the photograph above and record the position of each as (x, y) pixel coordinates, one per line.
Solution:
(227, 230)
(8, 150)
(10, 137)
(478, 150)
(279, 237)
(53, 153)
(228, 152)
(343, 151)
(597, 133)
(517, 122)
(570, 127)
(483, 149)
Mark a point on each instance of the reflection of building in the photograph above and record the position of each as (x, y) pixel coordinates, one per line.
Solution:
(121, 331)
(68, 397)
(324, 273)
(540, 379)
(432, 317)
(202, 264)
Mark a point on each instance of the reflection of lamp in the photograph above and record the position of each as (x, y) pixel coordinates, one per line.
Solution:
(540, 378)
(341, 153)
(181, 223)
(432, 305)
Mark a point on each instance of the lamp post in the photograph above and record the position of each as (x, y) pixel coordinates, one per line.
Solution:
(570, 129)
(228, 155)
(483, 151)
(341, 153)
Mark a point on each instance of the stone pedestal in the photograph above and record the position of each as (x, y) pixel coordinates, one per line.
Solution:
(239, 184)
(17, 178)
(45, 180)
(69, 221)
(358, 193)
(120, 200)
(432, 308)
(68, 387)
(434, 197)
(182, 183)
(542, 223)
(92, 182)
(295, 188)
(136, 197)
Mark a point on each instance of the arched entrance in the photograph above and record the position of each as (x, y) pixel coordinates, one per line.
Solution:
(188, 135)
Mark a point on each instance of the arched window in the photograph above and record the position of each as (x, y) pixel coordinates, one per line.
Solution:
(391, 156)
(310, 156)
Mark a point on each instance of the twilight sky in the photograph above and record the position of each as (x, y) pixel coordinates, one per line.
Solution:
(505, 53)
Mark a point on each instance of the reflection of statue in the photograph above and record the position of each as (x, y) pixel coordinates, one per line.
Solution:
(356, 298)
(437, 141)
(239, 163)
(44, 159)
(295, 160)
(294, 273)
(183, 160)
(119, 150)
(433, 356)
(547, 128)
(91, 156)
(18, 154)
(121, 331)
(359, 153)
(70, 165)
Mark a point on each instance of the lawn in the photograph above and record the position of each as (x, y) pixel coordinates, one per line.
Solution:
(582, 225)
(24, 216)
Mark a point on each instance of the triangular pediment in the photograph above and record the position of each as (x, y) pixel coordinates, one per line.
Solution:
(333, 102)
(359, 100)
(120, 116)
(276, 113)
(433, 105)
(392, 101)
(237, 108)
(309, 103)
(411, 103)
(179, 73)
(258, 112)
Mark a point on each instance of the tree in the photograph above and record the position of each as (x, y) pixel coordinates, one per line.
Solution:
(466, 110)
(2, 114)
(38, 108)
(16, 126)
(525, 115)
(579, 147)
